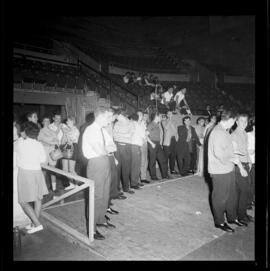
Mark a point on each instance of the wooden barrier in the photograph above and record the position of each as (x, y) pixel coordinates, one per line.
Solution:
(86, 183)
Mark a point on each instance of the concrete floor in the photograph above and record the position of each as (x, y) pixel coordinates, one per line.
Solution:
(164, 221)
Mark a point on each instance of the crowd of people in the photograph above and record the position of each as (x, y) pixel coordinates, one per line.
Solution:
(116, 150)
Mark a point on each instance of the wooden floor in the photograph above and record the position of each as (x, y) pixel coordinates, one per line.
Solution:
(163, 221)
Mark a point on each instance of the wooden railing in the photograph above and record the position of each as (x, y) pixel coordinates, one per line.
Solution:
(87, 183)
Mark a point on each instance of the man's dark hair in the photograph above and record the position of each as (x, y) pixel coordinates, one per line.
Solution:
(29, 114)
(134, 116)
(242, 114)
(185, 118)
(199, 118)
(228, 114)
(31, 130)
(90, 117)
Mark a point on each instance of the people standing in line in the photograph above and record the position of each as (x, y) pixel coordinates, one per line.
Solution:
(111, 149)
(137, 141)
(30, 154)
(49, 139)
(243, 182)
(221, 167)
(122, 134)
(186, 151)
(155, 150)
(70, 139)
(143, 121)
(251, 152)
(169, 141)
(98, 167)
(199, 128)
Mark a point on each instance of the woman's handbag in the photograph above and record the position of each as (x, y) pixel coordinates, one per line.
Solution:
(68, 151)
(56, 154)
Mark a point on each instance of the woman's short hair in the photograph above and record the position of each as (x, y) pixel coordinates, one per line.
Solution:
(31, 130)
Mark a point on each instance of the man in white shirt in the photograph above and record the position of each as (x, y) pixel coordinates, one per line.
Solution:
(179, 97)
(137, 141)
(167, 98)
(98, 167)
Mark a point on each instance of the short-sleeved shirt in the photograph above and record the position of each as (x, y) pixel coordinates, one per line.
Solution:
(167, 95)
(179, 96)
(30, 153)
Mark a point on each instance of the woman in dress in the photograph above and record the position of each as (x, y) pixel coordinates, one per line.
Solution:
(71, 137)
(199, 128)
(30, 154)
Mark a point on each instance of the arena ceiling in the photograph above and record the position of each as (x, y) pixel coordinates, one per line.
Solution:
(222, 43)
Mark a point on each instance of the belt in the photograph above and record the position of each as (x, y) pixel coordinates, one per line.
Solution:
(121, 143)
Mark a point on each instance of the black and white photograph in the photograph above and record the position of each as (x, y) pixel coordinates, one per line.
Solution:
(134, 138)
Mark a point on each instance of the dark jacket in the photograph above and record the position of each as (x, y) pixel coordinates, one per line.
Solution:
(182, 136)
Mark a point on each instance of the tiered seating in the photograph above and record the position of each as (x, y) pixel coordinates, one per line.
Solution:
(242, 92)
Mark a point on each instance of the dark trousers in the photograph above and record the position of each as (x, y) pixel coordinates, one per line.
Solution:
(157, 154)
(193, 160)
(98, 170)
(183, 157)
(243, 191)
(170, 153)
(252, 184)
(224, 197)
(123, 155)
(114, 192)
(135, 164)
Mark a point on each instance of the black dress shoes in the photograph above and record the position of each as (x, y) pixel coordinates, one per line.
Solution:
(98, 236)
(155, 179)
(136, 187)
(129, 191)
(225, 227)
(106, 225)
(107, 218)
(238, 223)
(112, 212)
(145, 181)
(174, 172)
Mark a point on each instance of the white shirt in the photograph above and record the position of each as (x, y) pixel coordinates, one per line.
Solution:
(109, 143)
(179, 96)
(167, 96)
(93, 142)
(54, 128)
(139, 136)
(251, 146)
(15, 133)
(30, 153)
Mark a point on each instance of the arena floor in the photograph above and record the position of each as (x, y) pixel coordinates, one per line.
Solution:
(164, 221)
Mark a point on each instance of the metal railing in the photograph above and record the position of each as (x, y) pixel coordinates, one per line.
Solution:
(87, 183)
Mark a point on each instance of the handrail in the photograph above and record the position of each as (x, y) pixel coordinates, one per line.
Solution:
(110, 80)
(25, 46)
(86, 183)
(47, 59)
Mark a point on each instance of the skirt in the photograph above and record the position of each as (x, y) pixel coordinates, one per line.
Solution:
(31, 185)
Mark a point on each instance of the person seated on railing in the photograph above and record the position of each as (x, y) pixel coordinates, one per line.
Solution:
(30, 155)
(181, 103)
(132, 78)
(167, 98)
(71, 136)
(126, 77)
